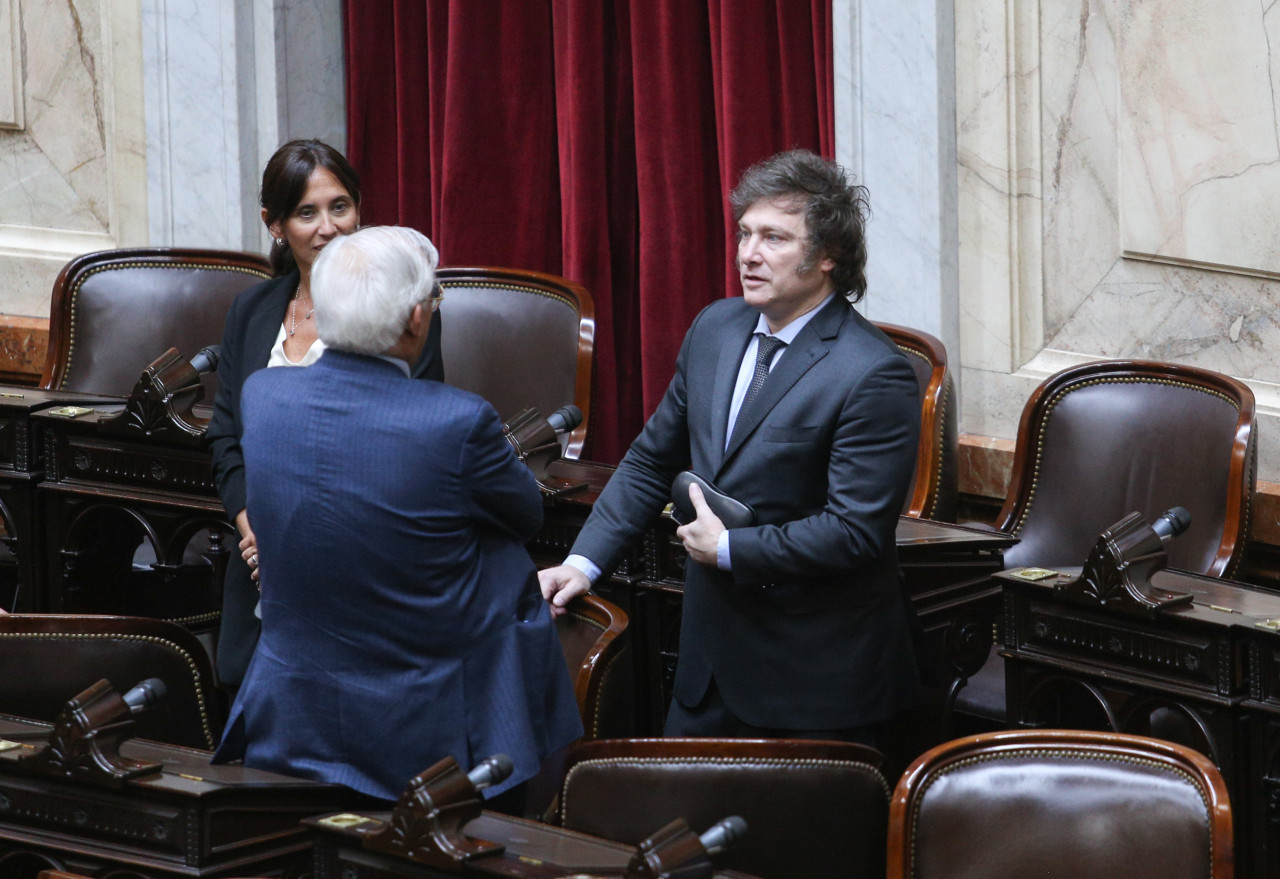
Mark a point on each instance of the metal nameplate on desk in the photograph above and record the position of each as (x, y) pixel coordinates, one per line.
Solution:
(71, 411)
(1033, 575)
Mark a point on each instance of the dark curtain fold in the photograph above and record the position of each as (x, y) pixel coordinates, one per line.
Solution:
(594, 139)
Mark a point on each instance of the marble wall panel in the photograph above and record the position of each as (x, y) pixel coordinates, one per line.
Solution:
(1200, 155)
(1157, 139)
(10, 64)
(896, 104)
(54, 172)
(72, 177)
(998, 153)
(193, 144)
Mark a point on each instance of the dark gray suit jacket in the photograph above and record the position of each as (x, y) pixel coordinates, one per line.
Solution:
(811, 630)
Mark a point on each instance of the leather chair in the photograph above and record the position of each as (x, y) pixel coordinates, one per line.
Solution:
(1104, 439)
(812, 808)
(1060, 803)
(50, 658)
(519, 339)
(1101, 440)
(115, 311)
(935, 489)
(591, 633)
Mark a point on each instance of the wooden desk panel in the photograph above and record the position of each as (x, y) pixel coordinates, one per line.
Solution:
(21, 468)
(1206, 675)
(109, 489)
(532, 851)
(190, 820)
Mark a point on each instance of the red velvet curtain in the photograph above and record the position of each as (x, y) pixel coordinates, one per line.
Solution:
(594, 139)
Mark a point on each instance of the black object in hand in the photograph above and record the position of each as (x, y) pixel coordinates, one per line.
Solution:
(733, 513)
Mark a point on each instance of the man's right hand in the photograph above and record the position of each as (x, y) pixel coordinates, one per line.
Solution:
(561, 585)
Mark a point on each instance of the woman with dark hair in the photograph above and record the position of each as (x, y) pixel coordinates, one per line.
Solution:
(310, 195)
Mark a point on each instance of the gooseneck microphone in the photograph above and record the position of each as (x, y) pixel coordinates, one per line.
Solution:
(493, 771)
(145, 695)
(723, 835)
(1171, 523)
(565, 419)
(206, 359)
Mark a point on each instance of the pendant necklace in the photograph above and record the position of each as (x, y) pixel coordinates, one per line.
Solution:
(293, 312)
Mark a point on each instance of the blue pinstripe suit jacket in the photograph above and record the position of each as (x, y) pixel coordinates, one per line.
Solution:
(401, 615)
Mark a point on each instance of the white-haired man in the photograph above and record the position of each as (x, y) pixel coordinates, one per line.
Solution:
(401, 616)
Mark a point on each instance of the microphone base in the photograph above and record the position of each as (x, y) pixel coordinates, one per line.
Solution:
(1119, 570)
(426, 825)
(86, 739)
(674, 852)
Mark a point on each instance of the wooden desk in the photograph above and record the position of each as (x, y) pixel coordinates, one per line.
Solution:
(532, 851)
(1206, 675)
(112, 485)
(947, 570)
(21, 468)
(191, 820)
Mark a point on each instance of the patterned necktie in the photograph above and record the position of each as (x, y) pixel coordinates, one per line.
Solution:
(764, 355)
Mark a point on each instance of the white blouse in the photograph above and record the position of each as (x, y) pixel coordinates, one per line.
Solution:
(279, 358)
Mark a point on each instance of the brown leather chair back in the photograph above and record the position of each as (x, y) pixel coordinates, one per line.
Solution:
(591, 635)
(935, 488)
(519, 339)
(1060, 803)
(50, 658)
(812, 808)
(1099, 441)
(115, 311)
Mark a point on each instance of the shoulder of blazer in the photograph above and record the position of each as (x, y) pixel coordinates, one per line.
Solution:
(256, 314)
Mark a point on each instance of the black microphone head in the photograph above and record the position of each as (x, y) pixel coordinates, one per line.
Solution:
(494, 770)
(1172, 522)
(724, 835)
(565, 419)
(146, 694)
(206, 359)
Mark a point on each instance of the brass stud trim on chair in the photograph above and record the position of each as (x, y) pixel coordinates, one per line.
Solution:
(1054, 753)
(112, 267)
(515, 288)
(201, 697)
(193, 620)
(1062, 393)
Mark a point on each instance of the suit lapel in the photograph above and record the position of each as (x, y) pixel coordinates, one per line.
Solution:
(737, 335)
(808, 348)
(261, 331)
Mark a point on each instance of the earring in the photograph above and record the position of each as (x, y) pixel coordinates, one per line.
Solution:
(280, 241)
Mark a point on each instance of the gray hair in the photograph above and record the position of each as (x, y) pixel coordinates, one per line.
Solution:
(364, 286)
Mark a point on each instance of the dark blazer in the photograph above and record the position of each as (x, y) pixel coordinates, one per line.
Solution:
(401, 616)
(251, 327)
(811, 630)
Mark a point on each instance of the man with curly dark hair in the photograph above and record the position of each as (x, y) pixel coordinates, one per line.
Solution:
(791, 402)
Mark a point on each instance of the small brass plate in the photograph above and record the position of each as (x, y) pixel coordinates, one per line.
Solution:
(1273, 625)
(1033, 574)
(70, 411)
(12, 395)
(6, 745)
(346, 819)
